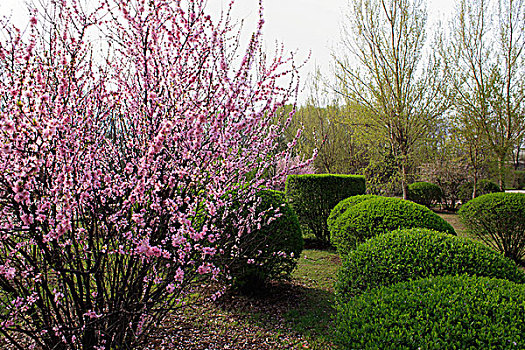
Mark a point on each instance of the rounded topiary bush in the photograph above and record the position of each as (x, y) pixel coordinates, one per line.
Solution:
(343, 206)
(445, 312)
(375, 216)
(425, 193)
(404, 255)
(498, 219)
(268, 252)
(484, 187)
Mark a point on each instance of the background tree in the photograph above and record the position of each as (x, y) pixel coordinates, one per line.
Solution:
(385, 70)
(322, 121)
(485, 57)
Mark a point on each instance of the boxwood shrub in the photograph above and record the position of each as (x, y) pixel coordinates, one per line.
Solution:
(405, 255)
(499, 220)
(484, 187)
(445, 312)
(425, 193)
(380, 215)
(267, 253)
(312, 197)
(343, 206)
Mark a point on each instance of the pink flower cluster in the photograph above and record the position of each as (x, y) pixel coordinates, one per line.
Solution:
(115, 168)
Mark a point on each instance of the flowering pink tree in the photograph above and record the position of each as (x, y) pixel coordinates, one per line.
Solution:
(293, 165)
(106, 161)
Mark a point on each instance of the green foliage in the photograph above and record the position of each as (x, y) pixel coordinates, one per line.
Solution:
(499, 220)
(425, 193)
(312, 197)
(519, 179)
(343, 206)
(484, 187)
(404, 255)
(267, 253)
(381, 215)
(382, 176)
(445, 312)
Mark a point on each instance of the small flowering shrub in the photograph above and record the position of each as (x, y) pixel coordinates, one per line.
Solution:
(269, 252)
(105, 159)
(404, 255)
(445, 312)
(377, 216)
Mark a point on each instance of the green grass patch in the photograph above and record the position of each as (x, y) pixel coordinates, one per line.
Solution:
(316, 272)
(453, 219)
(317, 269)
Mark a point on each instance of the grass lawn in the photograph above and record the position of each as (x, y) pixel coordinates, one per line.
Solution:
(453, 219)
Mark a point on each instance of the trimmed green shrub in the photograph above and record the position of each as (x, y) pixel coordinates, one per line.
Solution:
(519, 179)
(268, 253)
(312, 197)
(381, 215)
(498, 219)
(484, 187)
(343, 206)
(445, 312)
(405, 255)
(425, 193)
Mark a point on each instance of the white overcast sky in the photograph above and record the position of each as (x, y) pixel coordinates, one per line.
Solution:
(303, 26)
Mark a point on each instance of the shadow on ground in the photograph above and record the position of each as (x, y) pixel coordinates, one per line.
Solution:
(286, 316)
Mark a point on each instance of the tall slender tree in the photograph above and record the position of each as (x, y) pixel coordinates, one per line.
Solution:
(485, 59)
(384, 68)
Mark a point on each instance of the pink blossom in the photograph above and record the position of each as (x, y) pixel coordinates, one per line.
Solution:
(204, 269)
(7, 271)
(92, 314)
(179, 275)
(129, 160)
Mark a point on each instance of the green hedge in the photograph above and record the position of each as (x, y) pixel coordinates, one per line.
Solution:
(484, 187)
(445, 312)
(381, 215)
(405, 255)
(499, 220)
(425, 193)
(312, 197)
(343, 206)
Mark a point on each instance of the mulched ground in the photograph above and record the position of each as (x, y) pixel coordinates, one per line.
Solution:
(238, 322)
(234, 322)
